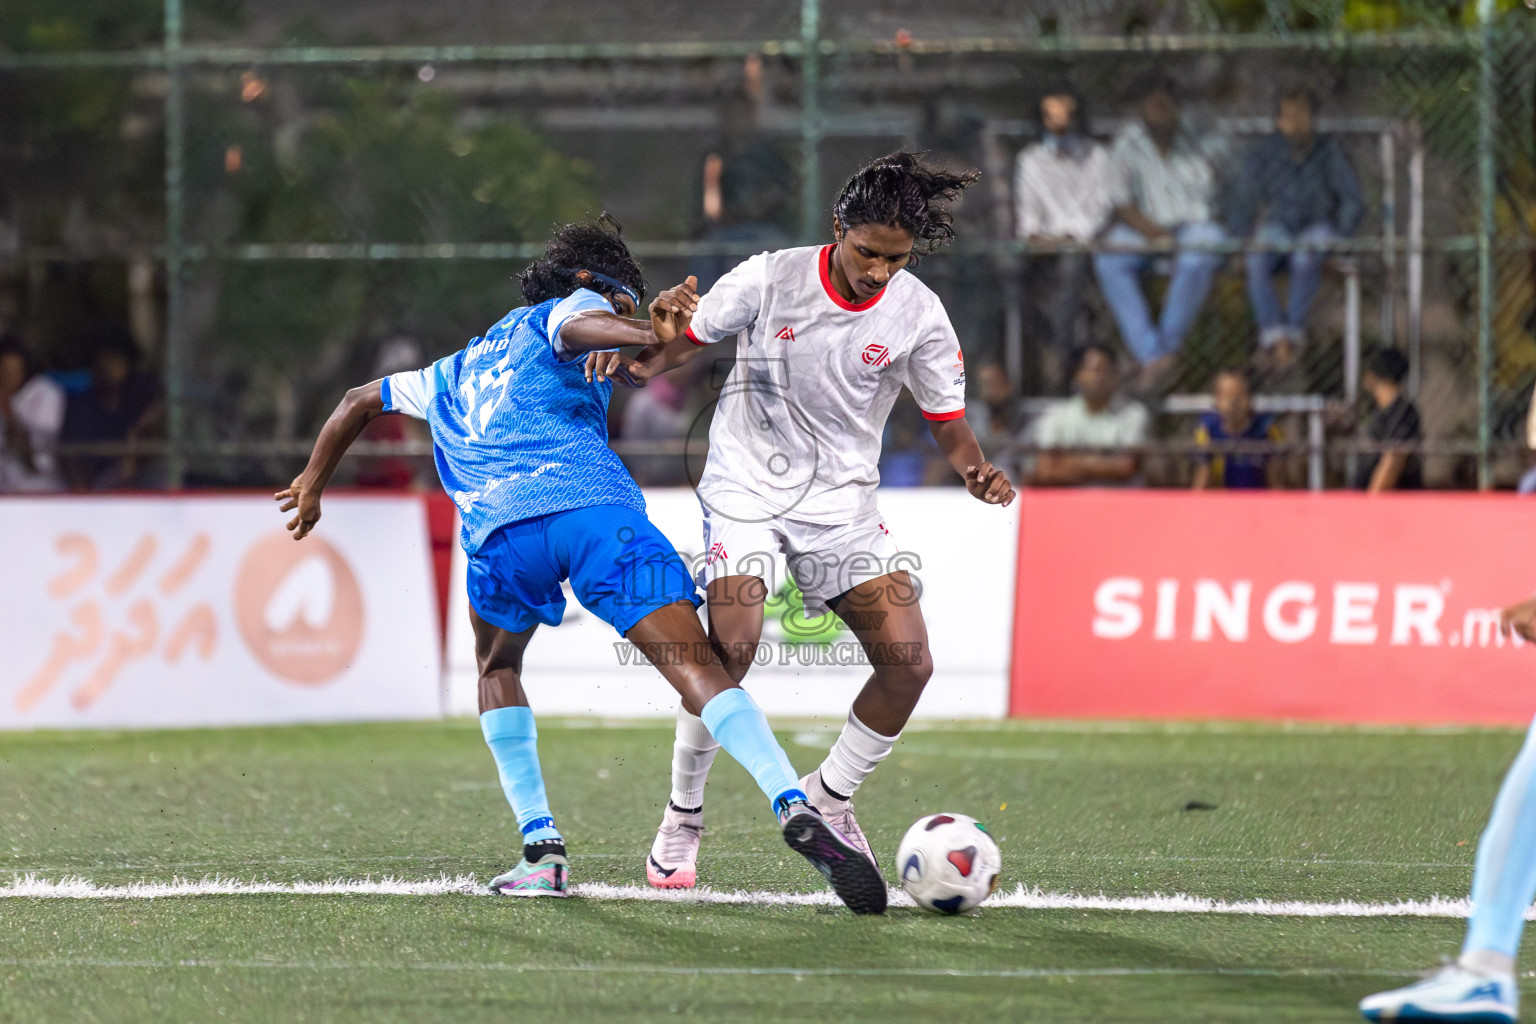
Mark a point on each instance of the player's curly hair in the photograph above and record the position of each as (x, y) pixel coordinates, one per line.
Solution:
(586, 245)
(903, 192)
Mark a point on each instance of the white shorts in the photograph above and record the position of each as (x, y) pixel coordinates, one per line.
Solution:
(825, 559)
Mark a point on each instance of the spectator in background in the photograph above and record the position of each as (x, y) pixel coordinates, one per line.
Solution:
(1164, 189)
(395, 472)
(1301, 190)
(1233, 420)
(1394, 426)
(31, 415)
(121, 405)
(909, 456)
(1094, 418)
(1527, 484)
(749, 189)
(998, 420)
(655, 413)
(1061, 193)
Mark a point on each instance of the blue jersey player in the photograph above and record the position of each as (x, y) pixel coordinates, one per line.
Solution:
(519, 433)
(1479, 987)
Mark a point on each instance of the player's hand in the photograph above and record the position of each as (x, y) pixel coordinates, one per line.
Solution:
(673, 309)
(989, 483)
(1520, 618)
(600, 366)
(305, 500)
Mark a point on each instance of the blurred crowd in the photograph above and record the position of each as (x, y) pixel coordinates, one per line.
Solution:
(1137, 225)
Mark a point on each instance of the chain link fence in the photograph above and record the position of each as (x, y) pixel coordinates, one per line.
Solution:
(279, 203)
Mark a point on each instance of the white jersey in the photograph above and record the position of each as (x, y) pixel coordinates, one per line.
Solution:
(798, 427)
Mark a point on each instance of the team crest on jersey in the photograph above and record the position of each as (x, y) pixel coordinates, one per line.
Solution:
(786, 334)
(877, 355)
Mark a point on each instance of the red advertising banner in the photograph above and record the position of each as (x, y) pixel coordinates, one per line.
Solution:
(1333, 607)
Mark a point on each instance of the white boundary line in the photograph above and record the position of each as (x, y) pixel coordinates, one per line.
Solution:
(32, 887)
(1025, 973)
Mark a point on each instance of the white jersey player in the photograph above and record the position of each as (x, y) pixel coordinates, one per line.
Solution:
(827, 336)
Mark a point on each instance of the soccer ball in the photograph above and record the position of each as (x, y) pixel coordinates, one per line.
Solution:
(948, 863)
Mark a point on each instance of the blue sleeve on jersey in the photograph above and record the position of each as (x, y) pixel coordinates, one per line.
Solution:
(580, 301)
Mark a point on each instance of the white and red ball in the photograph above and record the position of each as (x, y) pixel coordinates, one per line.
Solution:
(948, 863)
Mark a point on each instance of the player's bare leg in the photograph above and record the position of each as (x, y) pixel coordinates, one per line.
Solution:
(735, 630)
(507, 722)
(884, 614)
(673, 640)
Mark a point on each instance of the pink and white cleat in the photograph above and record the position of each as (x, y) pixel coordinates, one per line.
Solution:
(838, 812)
(674, 857)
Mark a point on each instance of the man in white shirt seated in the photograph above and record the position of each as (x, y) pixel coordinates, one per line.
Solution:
(1061, 194)
(1091, 438)
(1164, 194)
(31, 414)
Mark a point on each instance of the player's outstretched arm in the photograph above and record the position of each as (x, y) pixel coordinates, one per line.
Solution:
(667, 346)
(1520, 618)
(984, 480)
(348, 420)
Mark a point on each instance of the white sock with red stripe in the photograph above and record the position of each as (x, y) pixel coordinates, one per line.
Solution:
(693, 751)
(855, 754)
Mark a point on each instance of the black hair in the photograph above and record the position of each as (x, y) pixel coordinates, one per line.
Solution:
(903, 192)
(111, 337)
(1302, 93)
(1080, 355)
(586, 245)
(12, 345)
(1389, 364)
(1149, 82)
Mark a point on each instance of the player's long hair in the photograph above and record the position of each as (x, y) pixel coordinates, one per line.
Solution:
(903, 192)
(587, 245)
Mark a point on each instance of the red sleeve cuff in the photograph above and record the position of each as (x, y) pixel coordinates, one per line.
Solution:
(694, 337)
(942, 416)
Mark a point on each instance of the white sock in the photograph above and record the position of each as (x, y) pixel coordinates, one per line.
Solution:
(857, 750)
(693, 752)
(1487, 962)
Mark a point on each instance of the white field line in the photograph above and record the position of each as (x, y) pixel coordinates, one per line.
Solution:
(638, 856)
(205, 963)
(1020, 898)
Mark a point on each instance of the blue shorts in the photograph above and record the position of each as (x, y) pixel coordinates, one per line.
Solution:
(620, 566)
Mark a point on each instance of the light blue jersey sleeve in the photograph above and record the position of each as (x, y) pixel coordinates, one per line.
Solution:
(582, 300)
(412, 392)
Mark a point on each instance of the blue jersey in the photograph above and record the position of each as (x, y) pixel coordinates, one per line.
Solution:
(1237, 470)
(517, 432)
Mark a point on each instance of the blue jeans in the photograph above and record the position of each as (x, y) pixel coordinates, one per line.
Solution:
(1305, 268)
(1119, 276)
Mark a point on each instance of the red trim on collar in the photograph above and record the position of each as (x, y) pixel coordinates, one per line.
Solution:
(694, 337)
(940, 417)
(826, 282)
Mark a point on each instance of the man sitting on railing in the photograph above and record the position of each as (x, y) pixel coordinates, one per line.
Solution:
(1061, 195)
(1302, 191)
(1164, 193)
(1087, 424)
(1234, 421)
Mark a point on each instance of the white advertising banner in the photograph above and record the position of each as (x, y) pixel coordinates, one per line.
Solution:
(166, 611)
(962, 552)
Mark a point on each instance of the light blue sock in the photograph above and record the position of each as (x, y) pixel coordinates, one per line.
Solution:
(738, 725)
(1504, 881)
(514, 741)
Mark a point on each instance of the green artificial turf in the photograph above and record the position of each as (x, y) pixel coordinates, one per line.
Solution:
(1311, 815)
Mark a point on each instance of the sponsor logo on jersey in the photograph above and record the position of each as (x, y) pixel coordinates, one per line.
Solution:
(786, 334)
(877, 355)
(716, 552)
